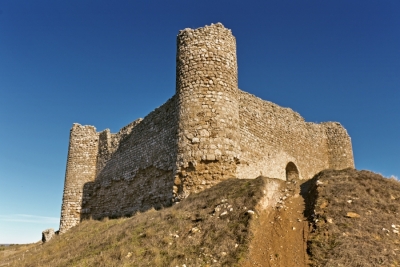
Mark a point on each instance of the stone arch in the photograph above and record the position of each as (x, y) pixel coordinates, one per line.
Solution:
(291, 171)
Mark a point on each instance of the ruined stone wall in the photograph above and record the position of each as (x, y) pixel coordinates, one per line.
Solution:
(273, 136)
(209, 131)
(81, 169)
(206, 84)
(109, 143)
(339, 146)
(134, 166)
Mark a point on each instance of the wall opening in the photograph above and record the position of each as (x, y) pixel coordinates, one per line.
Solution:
(291, 171)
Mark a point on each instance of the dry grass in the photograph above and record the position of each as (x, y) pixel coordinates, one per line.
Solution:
(192, 232)
(371, 239)
(197, 232)
(14, 250)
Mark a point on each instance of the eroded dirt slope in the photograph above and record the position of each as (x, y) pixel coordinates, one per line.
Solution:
(280, 232)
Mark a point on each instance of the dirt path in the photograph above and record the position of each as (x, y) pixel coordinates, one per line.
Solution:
(280, 235)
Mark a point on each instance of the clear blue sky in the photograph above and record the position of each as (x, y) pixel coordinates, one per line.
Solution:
(107, 63)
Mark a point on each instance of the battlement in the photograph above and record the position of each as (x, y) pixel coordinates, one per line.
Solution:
(210, 130)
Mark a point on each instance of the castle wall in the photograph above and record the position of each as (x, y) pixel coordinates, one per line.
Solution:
(135, 166)
(109, 143)
(273, 136)
(209, 131)
(339, 146)
(81, 169)
(208, 136)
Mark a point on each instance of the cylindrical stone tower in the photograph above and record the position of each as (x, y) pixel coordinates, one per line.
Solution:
(81, 169)
(207, 89)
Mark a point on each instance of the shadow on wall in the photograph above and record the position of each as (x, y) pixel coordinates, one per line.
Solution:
(124, 198)
(129, 180)
(291, 172)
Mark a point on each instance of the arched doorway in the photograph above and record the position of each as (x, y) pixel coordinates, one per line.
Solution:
(291, 171)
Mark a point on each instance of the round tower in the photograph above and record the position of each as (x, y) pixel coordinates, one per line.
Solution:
(81, 169)
(207, 91)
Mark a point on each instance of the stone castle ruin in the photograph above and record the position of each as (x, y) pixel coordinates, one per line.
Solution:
(208, 131)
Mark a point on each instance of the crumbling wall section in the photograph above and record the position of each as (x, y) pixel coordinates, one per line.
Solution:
(273, 136)
(81, 169)
(139, 173)
(339, 146)
(109, 143)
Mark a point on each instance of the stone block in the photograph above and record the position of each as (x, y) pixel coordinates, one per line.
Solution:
(47, 235)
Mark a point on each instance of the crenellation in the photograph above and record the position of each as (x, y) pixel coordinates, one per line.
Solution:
(208, 131)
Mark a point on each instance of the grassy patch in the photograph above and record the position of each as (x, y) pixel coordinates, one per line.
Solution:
(208, 228)
(342, 239)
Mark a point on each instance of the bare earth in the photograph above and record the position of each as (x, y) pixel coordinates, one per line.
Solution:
(280, 235)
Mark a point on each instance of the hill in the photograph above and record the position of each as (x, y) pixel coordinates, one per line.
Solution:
(338, 218)
(355, 218)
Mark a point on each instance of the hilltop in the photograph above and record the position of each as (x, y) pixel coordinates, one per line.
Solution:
(338, 218)
(355, 219)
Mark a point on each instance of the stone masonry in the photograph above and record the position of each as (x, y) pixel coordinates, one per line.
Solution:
(208, 131)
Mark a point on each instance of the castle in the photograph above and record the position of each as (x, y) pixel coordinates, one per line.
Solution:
(208, 131)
